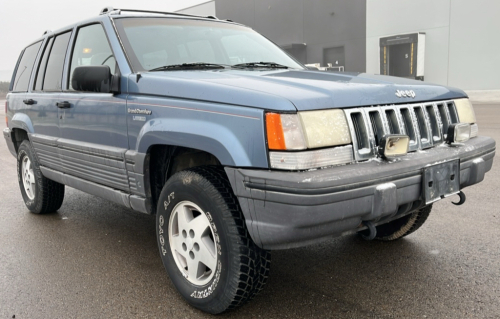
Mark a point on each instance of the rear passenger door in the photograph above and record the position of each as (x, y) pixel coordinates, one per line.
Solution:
(93, 125)
(47, 85)
(43, 99)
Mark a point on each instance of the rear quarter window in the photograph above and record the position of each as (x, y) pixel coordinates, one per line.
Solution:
(23, 71)
(55, 64)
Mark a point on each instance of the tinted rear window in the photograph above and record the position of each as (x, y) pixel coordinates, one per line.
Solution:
(55, 64)
(25, 67)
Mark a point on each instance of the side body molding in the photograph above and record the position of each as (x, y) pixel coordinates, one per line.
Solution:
(108, 172)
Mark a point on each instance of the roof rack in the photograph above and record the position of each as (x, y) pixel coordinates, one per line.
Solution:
(111, 10)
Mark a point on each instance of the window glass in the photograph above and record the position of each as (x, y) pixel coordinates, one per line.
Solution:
(41, 67)
(155, 42)
(92, 48)
(25, 67)
(201, 51)
(241, 48)
(55, 64)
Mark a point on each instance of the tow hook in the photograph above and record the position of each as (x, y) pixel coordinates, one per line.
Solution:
(462, 199)
(372, 231)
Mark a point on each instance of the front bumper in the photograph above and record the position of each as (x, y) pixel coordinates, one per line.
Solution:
(292, 209)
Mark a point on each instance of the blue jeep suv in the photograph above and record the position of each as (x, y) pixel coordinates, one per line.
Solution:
(236, 147)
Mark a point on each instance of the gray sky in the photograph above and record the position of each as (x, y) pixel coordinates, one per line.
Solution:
(23, 21)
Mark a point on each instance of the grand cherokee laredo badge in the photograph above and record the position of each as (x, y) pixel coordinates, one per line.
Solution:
(409, 93)
(139, 111)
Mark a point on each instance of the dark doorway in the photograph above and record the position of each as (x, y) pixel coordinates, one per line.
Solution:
(400, 60)
(335, 56)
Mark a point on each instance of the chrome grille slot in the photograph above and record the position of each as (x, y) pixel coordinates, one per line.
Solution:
(377, 126)
(360, 129)
(435, 123)
(361, 134)
(393, 122)
(425, 138)
(425, 124)
(410, 128)
(445, 118)
(453, 112)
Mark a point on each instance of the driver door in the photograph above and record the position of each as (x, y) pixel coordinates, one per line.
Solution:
(93, 125)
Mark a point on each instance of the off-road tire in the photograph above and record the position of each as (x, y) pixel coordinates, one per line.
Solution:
(244, 266)
(403, 226)
(48, 195)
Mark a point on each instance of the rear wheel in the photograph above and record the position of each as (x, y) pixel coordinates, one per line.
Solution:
(403, 226)
(204, 244)
(41, 195)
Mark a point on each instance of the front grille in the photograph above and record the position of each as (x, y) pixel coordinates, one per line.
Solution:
(426, 124)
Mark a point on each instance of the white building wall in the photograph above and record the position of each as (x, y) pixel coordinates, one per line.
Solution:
(203, 9)
(462, 41)
(474, 61)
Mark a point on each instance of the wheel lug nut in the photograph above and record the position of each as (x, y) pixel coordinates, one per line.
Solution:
(184, 234)
(196, 247)
(191, 254)
(184, 246)
(191, 233)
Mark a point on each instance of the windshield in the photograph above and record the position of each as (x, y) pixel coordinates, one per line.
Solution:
(152, 43)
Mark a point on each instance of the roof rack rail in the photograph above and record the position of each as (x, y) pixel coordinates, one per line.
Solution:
(111, 10)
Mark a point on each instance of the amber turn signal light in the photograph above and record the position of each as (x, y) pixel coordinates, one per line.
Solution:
(275, 137)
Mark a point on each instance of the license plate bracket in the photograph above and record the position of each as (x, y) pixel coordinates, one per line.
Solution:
(441, 180)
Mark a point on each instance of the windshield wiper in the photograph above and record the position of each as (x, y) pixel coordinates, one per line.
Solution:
(189, 66)
(271, 65)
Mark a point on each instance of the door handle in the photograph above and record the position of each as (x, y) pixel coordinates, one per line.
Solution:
(29, 101)
(63, 105)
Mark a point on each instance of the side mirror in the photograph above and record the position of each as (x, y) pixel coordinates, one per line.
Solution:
(94, 79)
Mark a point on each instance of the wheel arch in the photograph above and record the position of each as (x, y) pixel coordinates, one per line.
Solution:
(18, 135)
(163, 160)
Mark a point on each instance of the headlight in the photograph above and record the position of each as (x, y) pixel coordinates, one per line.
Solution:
(325, 128)
(308, 130)
(465, 111)
(303, 130)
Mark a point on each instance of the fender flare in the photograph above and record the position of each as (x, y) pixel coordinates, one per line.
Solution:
(210, 137)
(21, 121)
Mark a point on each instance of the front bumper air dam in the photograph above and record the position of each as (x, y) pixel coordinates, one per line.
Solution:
(293, 209)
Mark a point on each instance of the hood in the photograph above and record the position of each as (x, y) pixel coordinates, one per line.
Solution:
(289, 90)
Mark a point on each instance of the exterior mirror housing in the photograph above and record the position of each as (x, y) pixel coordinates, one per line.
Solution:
(94, 79)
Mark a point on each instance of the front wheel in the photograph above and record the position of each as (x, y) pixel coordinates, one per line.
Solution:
(204, 244)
